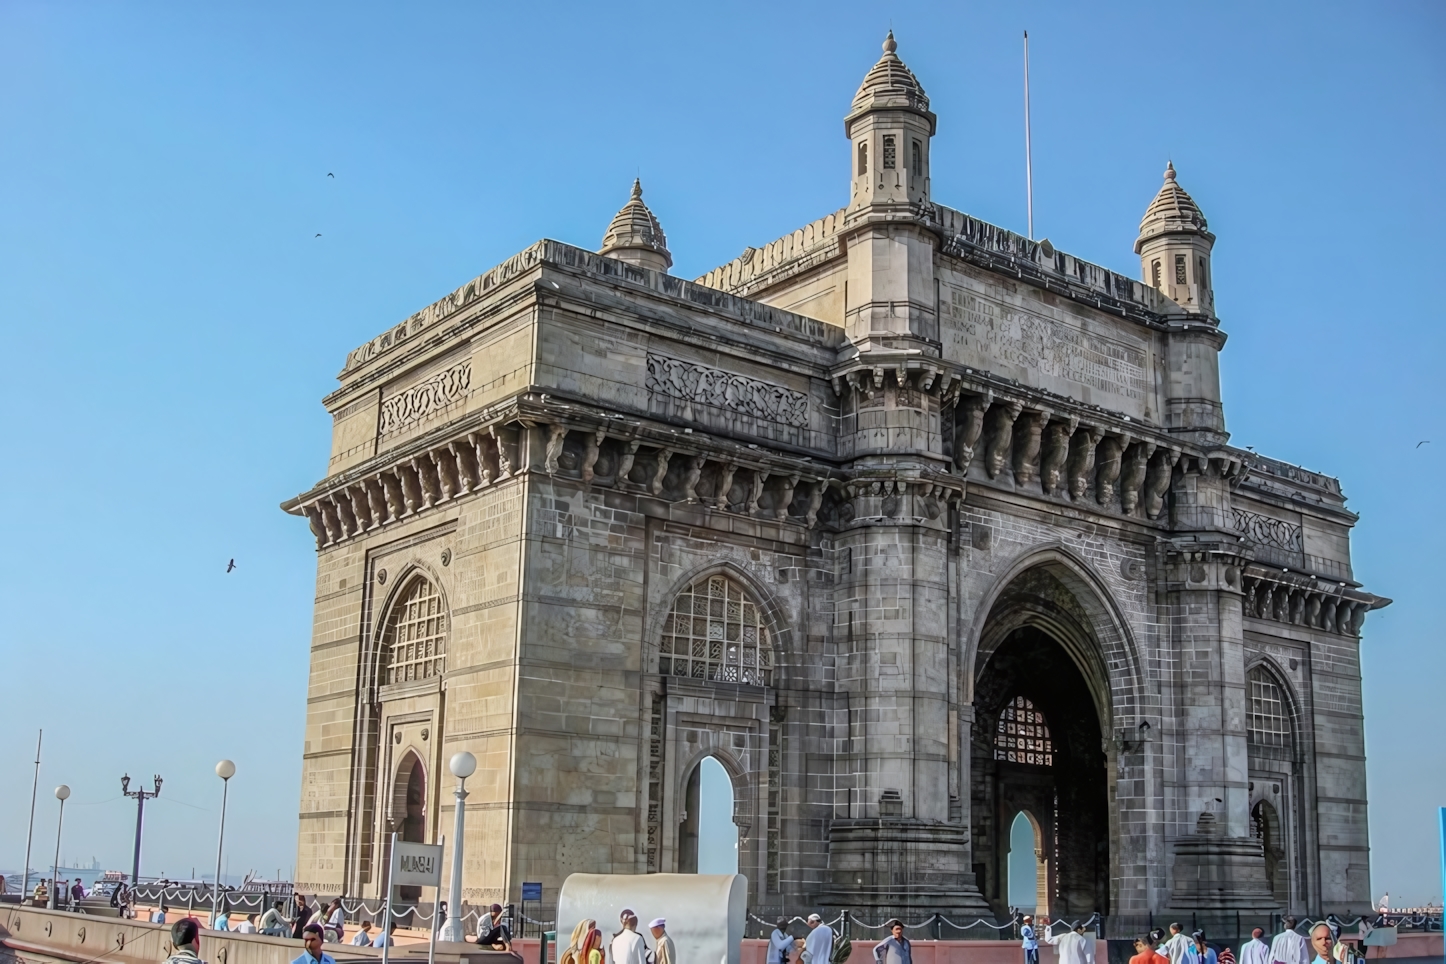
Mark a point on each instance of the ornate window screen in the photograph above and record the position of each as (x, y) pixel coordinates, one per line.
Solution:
(1022, 736)
(715, 632)
(416, 636)
(1268, 724)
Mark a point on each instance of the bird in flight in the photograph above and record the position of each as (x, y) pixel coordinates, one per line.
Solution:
(231, 565)
(331, 175)
(1419, 444)
(318, 234)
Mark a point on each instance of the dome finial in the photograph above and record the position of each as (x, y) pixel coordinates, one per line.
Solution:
(1170, 170)
(637, 188)
(890, 45)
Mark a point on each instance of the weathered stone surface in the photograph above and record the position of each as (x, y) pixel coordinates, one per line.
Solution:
(914, 524)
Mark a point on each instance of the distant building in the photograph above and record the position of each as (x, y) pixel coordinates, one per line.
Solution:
(913, 523)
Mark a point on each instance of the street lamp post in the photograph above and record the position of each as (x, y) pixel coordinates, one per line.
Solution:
(140, 795)
(225, 770)
(61, 793)
(462, 765)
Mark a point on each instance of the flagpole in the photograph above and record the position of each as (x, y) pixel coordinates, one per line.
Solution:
(30, 833)
(1028, 156)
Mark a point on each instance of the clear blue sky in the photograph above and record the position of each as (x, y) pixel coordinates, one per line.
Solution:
(171, 321)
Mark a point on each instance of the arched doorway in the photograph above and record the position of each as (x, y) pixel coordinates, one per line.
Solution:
(410, 810)
(708, 837)
(1028, 871)
(1040, 689)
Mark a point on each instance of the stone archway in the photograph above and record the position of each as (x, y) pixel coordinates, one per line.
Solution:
(409, 810)
(1050, 664)
(706, 815)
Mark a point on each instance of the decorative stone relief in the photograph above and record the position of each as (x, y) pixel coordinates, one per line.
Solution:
(1134, 475)
(1082, 460)
(996, 449)
(432, 395)
(970, 427)
(687, 382)
(1157, 481)
(1108, 462)
(1056, 451)
(1027, 447)
(1265, 531)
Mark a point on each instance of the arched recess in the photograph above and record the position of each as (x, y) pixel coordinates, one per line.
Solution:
(1273, 748)
(743, 785)
(1050, 634)
(398, 611)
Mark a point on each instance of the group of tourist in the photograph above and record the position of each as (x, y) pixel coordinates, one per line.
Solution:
(627, 946)
(1288, 947)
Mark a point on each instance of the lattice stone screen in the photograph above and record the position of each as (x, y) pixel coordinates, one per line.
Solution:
(416, 637)
(1022, 735)
(1268, 724)
(715, 632)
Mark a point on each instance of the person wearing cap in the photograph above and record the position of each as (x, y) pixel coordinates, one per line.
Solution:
(818, 945)
(663, 952)
(628, 946)
(895, 948)
(492, 932)
(1028, 941)
(779, 943)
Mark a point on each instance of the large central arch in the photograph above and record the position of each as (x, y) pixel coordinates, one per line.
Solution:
(1050, 665)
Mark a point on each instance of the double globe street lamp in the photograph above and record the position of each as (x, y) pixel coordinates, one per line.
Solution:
(225, 770)
(462, 765)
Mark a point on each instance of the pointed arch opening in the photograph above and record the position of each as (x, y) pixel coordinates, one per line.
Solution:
(1028, 870)
(716, 631)
(414, 640)
(409, 809)
(708, 836)
(1272, 747)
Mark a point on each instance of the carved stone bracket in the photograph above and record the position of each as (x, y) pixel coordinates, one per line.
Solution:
(1082, 460)
(1001, 434)
(1157, 480)
(1304, 603)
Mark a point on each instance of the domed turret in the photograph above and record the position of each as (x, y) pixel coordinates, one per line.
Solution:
(890, 125)
(1174, 247)
(635, 236)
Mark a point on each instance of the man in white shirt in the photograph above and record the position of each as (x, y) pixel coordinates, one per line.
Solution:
(1255, 950)
(628, 946)
(1177, 946)
(364, 935)
(247, 926)
(1074, 946)
(1288, 946)
(818, 946)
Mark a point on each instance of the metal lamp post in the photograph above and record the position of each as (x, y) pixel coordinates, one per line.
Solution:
(62, 792)
(462, 765)
(225, 770)
(140, 796)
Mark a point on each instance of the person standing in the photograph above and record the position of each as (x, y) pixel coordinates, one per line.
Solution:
(301, 916)
(186, 936)
(780, 943)
(1289, 947)
(312, 936)
(818, 945)
(1074, 946)
(663, 951)
(1321, 940)
(1145, 952)
(1176, 947)
(1255, 950)
(1028, 940)
(628, 946)
(894, 949)
(1200, 952)
(574, 953)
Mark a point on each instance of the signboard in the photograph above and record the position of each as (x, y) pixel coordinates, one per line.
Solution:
(416, 865)
(532, 891)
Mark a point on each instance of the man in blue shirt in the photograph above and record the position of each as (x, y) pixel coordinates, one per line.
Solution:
(1030, 943)
(312, 936)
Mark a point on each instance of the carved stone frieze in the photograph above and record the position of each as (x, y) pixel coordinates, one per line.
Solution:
(1305, 604)
(688, 382)
(417, 403)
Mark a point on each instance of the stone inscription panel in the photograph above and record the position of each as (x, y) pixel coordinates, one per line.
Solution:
(1046, 347)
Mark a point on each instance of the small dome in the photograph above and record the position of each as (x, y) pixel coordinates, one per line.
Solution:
(1173, 211)
(891, 84)
(636, 236)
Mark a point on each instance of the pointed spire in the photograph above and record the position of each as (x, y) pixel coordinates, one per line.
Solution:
(890, 84)
(635, 236)
(1173, 211)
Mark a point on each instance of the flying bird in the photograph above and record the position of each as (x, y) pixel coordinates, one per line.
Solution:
(231, 565)
(1419, 444)
(331, 175)
(318, 234)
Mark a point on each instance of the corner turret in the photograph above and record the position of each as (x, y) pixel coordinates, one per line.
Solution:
(890, 125)
(1174, 248)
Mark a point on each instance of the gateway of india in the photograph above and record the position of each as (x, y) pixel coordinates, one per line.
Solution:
(910, 522)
